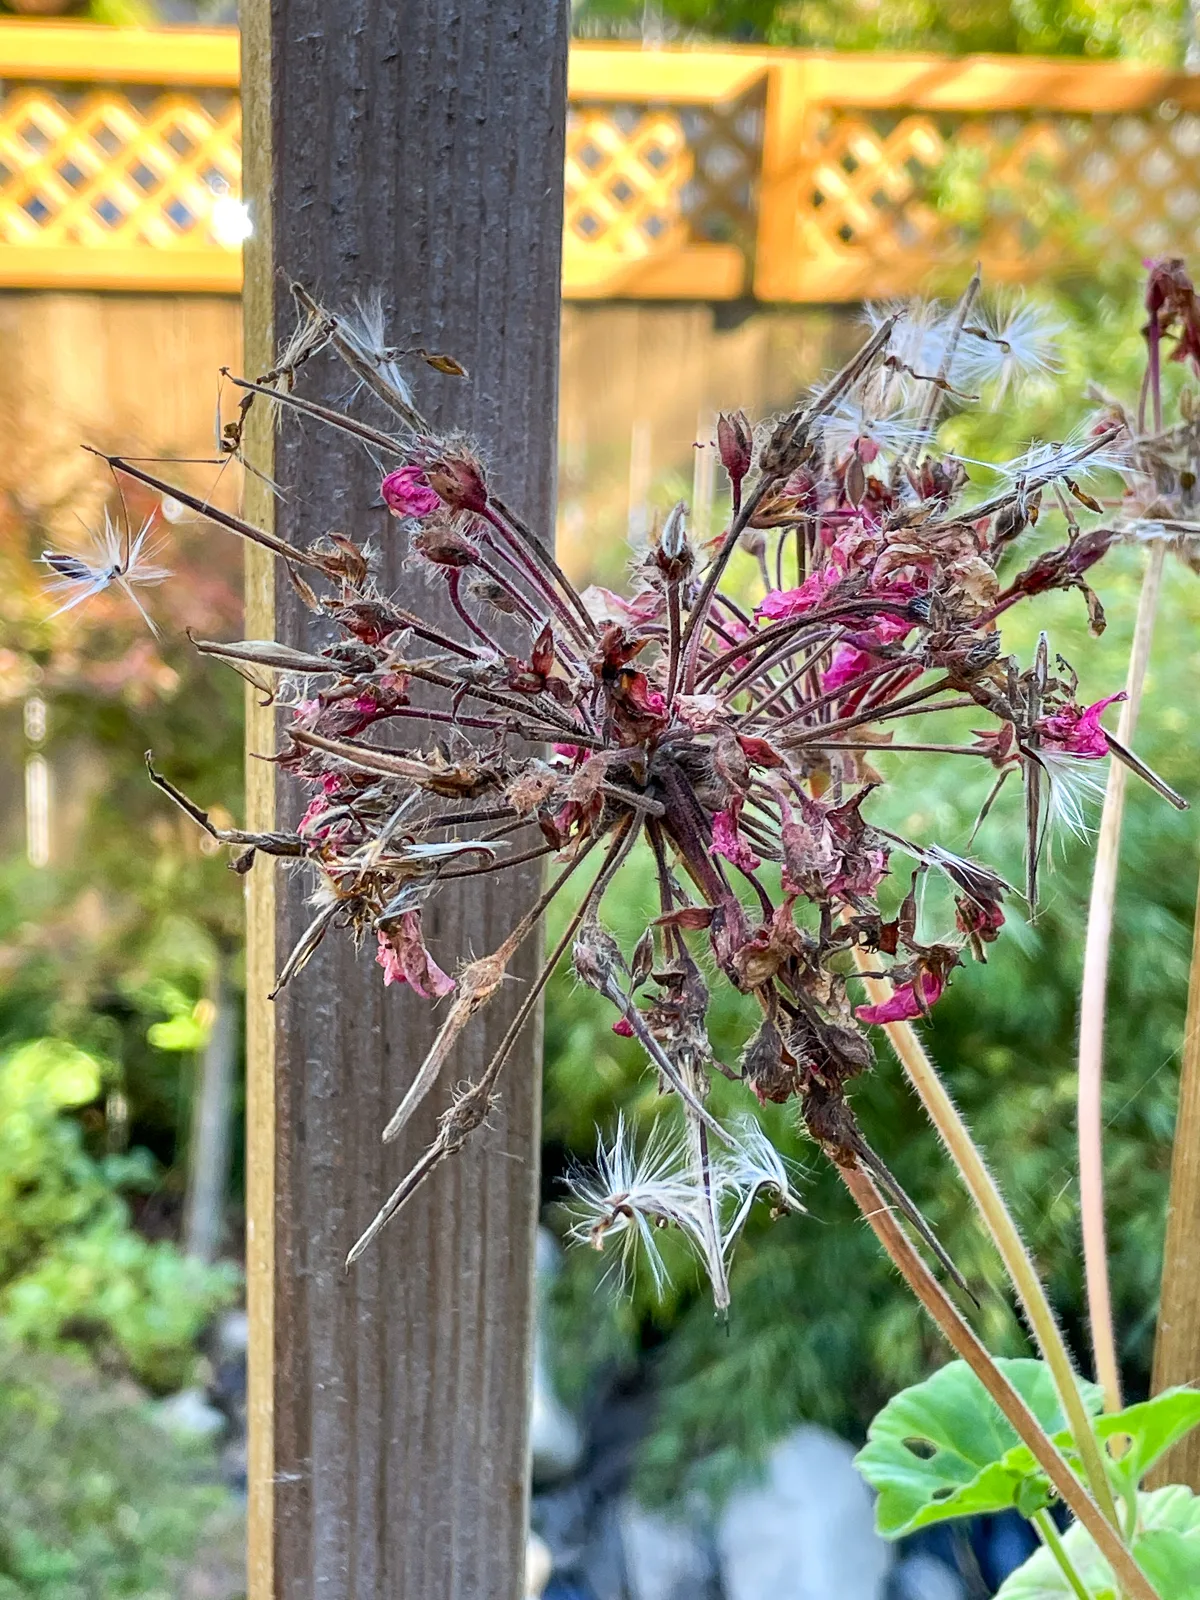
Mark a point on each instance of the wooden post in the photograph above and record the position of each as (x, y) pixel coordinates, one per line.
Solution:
(413, 148)
(1177, 1345)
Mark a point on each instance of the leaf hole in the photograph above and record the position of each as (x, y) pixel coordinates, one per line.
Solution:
(943, 1493)
(1118, 1444)
(923, 1449)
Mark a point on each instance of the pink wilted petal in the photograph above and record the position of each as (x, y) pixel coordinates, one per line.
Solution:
(848, 661)
(623, 1028)
(904, 1004)
(647, 702)
(389, 959)
(408, 493)
(1076, 730)
(316, 806)
(404, 959)
(782, 604)
(728, 842)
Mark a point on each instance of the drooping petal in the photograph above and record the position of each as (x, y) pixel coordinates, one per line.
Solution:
(904, 1005)
(404, 959)
(1076, 730)
(727, 840)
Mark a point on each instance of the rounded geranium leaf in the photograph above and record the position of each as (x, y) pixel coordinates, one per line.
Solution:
(938, 1450)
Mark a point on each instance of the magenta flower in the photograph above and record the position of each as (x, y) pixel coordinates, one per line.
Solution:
(404, 959)
(904, 1004)
(1076, 730)
(407, 493)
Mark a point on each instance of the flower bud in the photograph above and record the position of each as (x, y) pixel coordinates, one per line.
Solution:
(735, 441)
(442, 544)
(407, 493)
(596, 957)
(673, 554)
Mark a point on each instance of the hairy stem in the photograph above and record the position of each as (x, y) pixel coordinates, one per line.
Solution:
(967, 1345)
(985, 1192)
(1092, 1003)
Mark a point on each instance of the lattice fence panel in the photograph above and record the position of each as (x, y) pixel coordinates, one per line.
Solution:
(643, 180)
(1020, 190)
(107, 168)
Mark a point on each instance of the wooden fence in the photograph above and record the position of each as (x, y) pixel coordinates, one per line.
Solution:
(691, 173)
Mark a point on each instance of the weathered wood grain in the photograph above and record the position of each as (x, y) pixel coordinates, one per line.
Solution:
(414, 149)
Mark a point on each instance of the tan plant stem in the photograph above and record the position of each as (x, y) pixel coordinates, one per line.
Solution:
(1092, 1002)
(985, 1192)
(967, 1345)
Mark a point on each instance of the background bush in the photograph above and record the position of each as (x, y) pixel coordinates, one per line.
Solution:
(97, 1500)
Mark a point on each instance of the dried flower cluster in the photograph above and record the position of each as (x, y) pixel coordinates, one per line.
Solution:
(732, 740)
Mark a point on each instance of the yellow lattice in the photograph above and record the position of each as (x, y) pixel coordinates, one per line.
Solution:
(120, 166)
(104, 174)
(624, 188)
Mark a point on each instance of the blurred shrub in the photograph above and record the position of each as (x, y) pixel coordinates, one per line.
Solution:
(1147, 30)
(97, 1500)
(71, 1267)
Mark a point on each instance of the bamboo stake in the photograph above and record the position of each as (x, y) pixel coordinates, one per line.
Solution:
(966, 1344)
(1093, 999)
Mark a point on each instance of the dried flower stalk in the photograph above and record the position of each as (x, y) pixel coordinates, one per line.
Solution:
(731, 742)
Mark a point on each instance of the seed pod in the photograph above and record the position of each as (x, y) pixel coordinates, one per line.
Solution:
(458, 481)
(596, 957)
(673, 554)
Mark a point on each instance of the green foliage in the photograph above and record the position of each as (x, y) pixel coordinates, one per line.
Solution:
(1140, 1435)
(97, 1501)
(943, 1448)
(1166, 1547)
(820, 1328)
(71, 1267)
(1148, 30)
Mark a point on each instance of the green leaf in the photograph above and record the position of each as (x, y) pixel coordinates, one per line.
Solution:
(941, 1449)
(1148, 1431)
(1136, 1438)
(1167, 1548)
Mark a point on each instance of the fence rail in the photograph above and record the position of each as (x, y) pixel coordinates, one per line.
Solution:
(691, 173)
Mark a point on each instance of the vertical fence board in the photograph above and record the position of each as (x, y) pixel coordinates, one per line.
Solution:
(413, 149)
